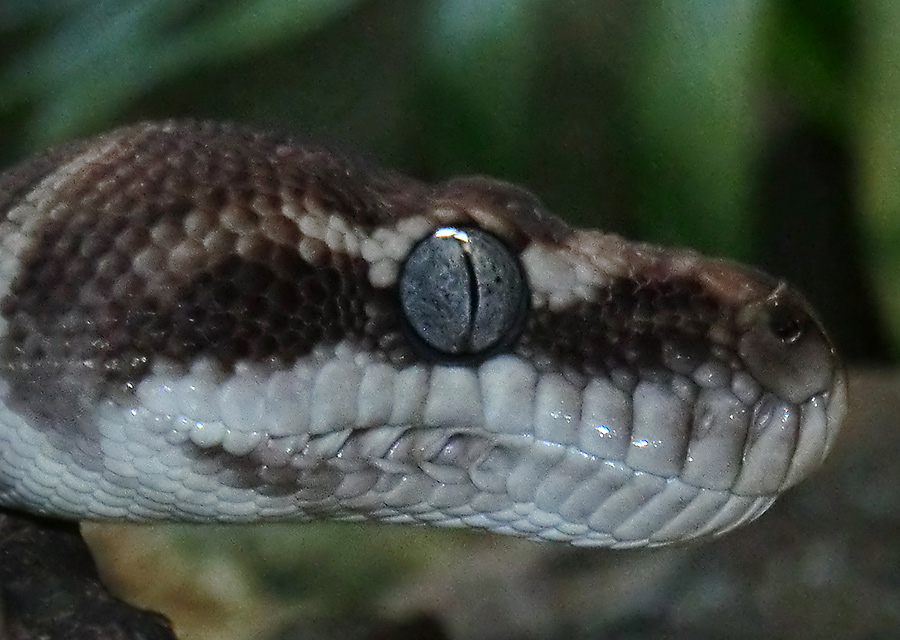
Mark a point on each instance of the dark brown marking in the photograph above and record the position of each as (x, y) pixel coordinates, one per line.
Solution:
(626, 326)
(174, 243)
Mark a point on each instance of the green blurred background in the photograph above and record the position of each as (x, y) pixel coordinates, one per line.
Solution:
(767, 131)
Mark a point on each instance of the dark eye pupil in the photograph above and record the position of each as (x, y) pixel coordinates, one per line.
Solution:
(786, 324)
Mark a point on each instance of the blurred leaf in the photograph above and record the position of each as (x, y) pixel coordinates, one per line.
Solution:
(878, 143)
(480, 57)
(695, 98)
(19, 14)
(106, 53)
(811, 57)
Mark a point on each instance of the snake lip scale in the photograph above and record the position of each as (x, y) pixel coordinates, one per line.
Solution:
(203, 322)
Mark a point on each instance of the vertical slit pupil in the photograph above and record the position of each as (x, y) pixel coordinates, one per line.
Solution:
(473, 294)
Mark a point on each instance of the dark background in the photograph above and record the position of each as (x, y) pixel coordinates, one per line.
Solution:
(764, 131)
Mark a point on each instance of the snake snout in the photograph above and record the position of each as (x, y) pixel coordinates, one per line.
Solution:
(785, 349)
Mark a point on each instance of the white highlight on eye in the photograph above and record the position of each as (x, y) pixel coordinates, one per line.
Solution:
(452, 232)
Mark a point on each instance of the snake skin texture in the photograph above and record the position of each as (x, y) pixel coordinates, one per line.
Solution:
(203, 322)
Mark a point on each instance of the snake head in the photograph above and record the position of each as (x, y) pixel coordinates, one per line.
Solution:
(204, 322)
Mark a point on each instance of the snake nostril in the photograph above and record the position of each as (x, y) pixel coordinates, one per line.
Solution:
(787, 324)
(783, 347)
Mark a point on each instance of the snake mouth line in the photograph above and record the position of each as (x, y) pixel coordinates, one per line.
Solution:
(489, 460)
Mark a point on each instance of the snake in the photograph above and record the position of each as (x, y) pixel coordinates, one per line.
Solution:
(205, 322)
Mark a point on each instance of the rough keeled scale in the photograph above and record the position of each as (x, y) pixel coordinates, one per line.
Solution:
(200, 322)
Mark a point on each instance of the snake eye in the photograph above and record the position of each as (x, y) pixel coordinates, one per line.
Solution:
(463, 293)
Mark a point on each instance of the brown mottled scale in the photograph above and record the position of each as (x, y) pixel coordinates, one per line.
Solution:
(159, 246)
(179, 241)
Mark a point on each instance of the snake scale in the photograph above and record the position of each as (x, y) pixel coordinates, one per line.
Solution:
(203, 322)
